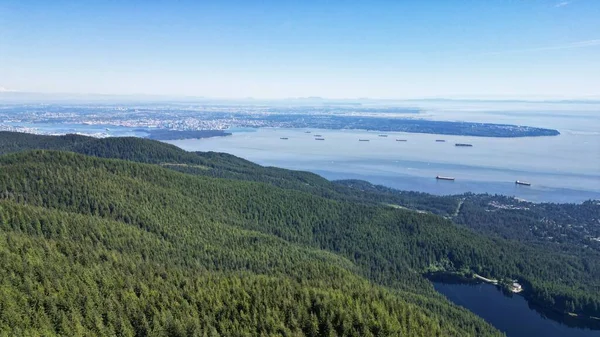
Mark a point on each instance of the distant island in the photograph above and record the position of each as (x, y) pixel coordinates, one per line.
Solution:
(202, 121)
(405, 125)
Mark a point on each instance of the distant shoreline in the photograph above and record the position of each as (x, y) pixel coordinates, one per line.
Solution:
(382, 124)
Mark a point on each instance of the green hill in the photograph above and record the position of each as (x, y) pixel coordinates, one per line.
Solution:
(97, 246)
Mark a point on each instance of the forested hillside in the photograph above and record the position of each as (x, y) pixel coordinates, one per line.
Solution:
(333, 247)
(97, 246)
(69, 274)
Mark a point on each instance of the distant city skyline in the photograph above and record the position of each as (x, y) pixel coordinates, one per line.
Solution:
(498, 49)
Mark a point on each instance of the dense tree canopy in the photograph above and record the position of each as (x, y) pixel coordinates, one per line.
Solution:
(226, 247)
(110, 247)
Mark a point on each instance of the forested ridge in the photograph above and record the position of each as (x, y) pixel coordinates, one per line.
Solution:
(68, 274)
(347, 263)
(106, 247)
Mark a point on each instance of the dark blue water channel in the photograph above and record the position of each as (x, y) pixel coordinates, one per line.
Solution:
(511, 314)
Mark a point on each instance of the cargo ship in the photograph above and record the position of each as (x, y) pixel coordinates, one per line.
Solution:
(363, 140)
(444, 178)
(463, 144)
(284, 138)
(306, 131)
(319, 138)
(524, 183)
(382, 135)
(401, 140)
(440, 140)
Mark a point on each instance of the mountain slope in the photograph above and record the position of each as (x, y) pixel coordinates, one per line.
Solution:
(390, 246)
(102, 247)
(561, 280)
(68, 274)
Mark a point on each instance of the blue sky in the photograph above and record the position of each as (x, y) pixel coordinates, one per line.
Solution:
(277, 49)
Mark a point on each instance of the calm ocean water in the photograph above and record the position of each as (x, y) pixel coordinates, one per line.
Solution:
(564, 168)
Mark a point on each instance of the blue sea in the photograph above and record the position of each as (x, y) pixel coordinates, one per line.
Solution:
(564, 168)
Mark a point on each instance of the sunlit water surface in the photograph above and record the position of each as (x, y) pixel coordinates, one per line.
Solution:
(564, 168)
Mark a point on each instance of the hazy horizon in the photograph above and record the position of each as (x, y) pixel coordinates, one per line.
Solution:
(27, 95)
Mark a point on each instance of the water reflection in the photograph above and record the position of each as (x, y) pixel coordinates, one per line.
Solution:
(511, 313)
